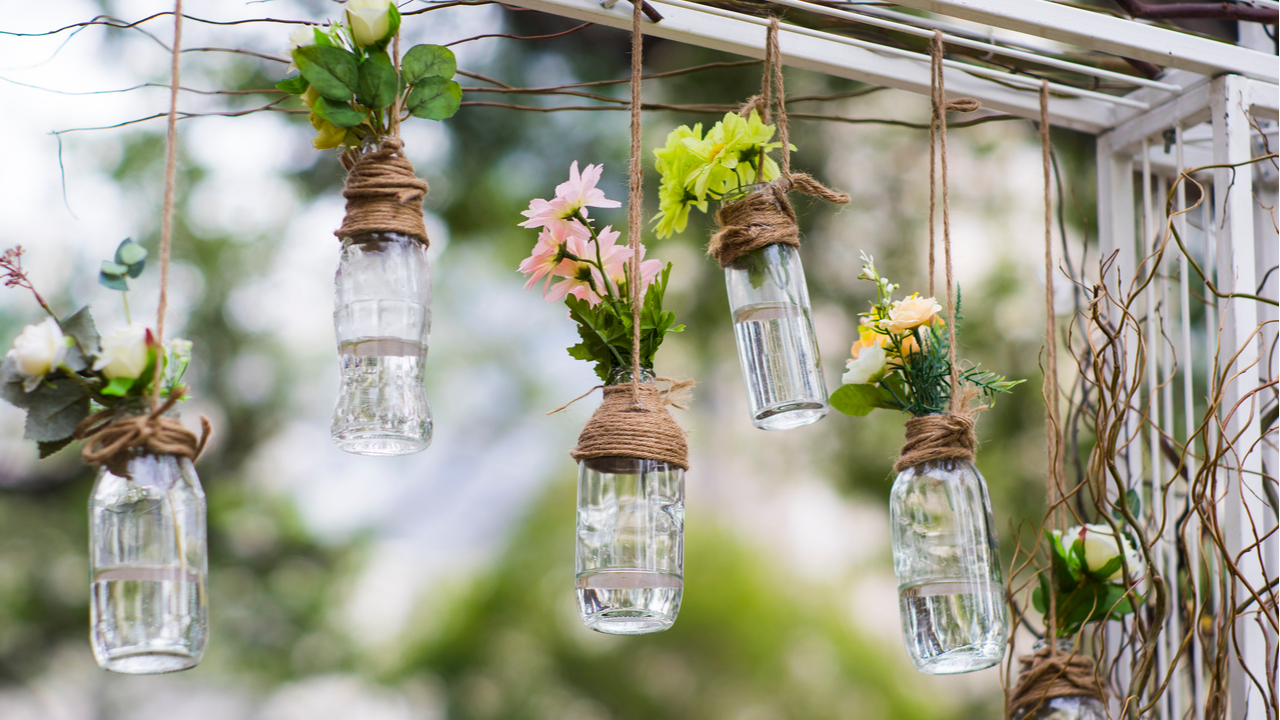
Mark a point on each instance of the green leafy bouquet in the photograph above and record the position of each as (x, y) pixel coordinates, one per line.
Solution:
(60, 370)
(351, 85)
(900, 360)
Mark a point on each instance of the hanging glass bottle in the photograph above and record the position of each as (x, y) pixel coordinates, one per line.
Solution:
(630, 547)
(950, 589)
(777, 347)
(148, 561)
(382, 319)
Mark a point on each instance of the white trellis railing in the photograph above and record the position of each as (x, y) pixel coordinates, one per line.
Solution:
(1215, 104)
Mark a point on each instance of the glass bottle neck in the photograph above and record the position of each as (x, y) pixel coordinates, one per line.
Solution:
(623, 375)
(740, 193)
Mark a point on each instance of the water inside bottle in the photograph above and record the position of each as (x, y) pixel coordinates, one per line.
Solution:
(629, 601)
(148, 619)
(382, 407)
(953, 625)
(779, 356)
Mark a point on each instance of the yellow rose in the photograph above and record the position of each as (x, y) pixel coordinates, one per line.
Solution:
(329, 135)
(912, 312)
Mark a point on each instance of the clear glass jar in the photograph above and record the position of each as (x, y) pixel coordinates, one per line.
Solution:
(630, 547)
(149, 563)
(382, 319)
(777, 347)
(1071, 707)
(950, 587)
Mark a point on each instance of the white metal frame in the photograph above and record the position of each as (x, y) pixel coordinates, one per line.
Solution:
(1206, 99)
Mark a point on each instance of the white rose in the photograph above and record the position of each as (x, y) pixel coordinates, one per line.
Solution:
(1101, 547)
(369, 20)
(301, 37)
(124, 352)
(39, 349)
(869, 363)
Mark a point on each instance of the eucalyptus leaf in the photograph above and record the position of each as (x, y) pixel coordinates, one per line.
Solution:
(340, 114)
(378, 82)
(332, 71)
(434, 99)
(55, 410)
(114, 268)
(428, 61)
(113, 282)
(295, 85)
(130, 253)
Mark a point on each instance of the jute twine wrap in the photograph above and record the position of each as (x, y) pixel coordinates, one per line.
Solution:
(113, 441)
(383, 193)
(1052, 674)
(946, 436)
(633, 422)
(766, 217)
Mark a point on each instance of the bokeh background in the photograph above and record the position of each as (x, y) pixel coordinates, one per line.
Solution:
(439, 585)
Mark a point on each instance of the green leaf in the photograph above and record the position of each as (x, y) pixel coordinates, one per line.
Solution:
(130, 253)
(333, 72)
(859, 400)
(55, 410)
(118, 387)
(49, 447)
(323, 39)
(295, 85)
(434, 99)
(114, 268)
(1040, 596)
(113, 282)
(428, 61)
(11, 384)
(340, 114)
(378, 82)
(80, 326)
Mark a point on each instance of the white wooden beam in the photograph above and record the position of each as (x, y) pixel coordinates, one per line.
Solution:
(832, 57)
(1117, 36)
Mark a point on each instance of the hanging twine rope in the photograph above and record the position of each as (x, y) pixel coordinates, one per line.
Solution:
(383, 193)
(632, 420)
(114, 440)
(766, 217)
(1049, 674)
(947, 436)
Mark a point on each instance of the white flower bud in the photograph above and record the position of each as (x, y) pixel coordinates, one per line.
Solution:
(369, 20)
(39, 349)
(1101, 547)
(124, 352)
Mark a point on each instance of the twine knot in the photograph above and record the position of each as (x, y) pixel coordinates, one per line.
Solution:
(1049, 674)
(113, 441)
(383, 193)
(633, 421)
(964, 105)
